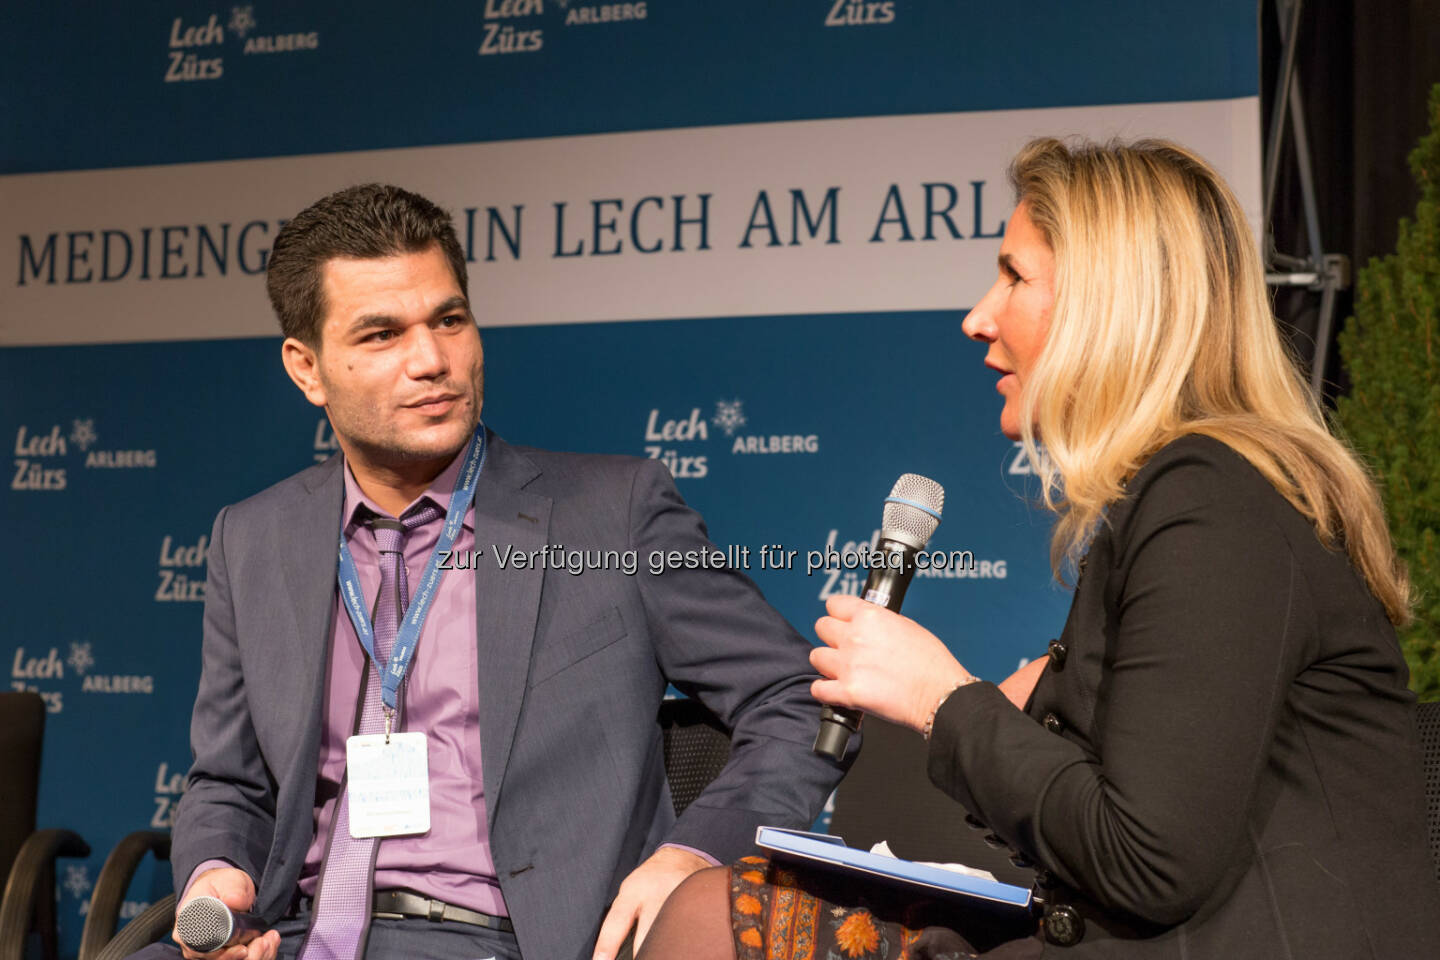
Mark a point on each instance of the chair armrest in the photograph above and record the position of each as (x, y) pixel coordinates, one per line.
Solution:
(112, 884)
(153, 924)
(32, 875)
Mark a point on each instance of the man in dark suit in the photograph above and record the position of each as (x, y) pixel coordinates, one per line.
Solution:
(534, 682)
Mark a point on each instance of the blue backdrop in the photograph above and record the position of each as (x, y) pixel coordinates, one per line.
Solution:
(140, 406)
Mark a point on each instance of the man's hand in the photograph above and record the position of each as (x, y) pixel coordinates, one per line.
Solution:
(236, 890)
(641, 896)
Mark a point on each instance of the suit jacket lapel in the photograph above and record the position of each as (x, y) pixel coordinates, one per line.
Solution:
(507, 602)
(308, 535)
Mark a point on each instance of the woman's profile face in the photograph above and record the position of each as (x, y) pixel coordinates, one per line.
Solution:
(1014, 316)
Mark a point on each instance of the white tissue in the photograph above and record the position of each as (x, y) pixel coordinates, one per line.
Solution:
(883, 849)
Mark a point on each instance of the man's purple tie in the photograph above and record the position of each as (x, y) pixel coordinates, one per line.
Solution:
(342, 901)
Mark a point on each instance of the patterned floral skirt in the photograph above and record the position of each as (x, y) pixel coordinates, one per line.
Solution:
(789, 912)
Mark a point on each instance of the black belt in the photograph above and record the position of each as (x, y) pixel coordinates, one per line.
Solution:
(398, 904)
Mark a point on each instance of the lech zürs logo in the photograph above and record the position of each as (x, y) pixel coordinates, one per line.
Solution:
(82, 433)
(242, 20)
(77, 881)
(81, 657)
(729, 416)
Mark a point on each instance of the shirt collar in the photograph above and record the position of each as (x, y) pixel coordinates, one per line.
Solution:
(440, 491)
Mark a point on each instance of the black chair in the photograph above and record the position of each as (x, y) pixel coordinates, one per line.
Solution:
(696, 749)
(98, 938)
(27, 856)
(888, 796)
(1427, 718)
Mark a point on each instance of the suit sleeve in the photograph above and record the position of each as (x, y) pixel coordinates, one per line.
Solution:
(1202, 645)
(717, 639)
(228, 811)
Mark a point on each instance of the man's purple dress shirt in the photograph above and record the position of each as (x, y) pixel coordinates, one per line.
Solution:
(451, 862)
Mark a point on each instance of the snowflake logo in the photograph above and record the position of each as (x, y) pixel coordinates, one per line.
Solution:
(242, 20)
(80, 657)
(82, 433)
(77, 881)
(728, 416)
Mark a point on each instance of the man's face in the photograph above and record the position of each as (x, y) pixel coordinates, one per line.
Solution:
(400, 369)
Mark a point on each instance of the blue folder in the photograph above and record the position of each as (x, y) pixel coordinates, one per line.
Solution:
(831, 851)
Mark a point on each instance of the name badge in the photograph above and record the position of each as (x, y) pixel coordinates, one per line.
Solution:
(388, 784)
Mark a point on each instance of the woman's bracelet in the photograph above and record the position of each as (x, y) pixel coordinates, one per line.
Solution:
(930, 721)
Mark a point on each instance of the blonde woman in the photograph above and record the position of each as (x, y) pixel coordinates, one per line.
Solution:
(1217, 759)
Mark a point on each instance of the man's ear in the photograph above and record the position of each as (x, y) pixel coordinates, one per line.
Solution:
(303, 364)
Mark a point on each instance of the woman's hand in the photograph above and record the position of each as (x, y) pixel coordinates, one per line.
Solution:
(882, 663)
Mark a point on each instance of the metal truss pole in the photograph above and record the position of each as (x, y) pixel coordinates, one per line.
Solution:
(1318, 271)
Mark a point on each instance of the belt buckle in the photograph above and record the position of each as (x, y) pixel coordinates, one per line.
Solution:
(386, 914)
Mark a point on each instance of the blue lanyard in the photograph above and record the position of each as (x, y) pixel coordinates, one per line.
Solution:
(393, 672)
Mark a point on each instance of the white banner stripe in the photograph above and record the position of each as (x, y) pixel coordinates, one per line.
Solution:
(196, 234)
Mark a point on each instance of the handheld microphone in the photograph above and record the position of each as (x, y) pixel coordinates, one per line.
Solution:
(207, 924)
(912, 512)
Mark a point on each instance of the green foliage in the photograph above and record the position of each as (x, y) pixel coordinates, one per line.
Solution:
(1391, 348)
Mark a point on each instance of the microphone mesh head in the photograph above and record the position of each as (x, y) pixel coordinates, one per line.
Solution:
(912, 524)
(204, 924)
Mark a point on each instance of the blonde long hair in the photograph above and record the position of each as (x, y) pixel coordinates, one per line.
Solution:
(1162, 327)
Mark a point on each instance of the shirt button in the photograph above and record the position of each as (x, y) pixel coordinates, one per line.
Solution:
(993, 840)
(1058, 652)
(1063, 926)
(1022, 861)
(1044, 879)
(1053, 723)
(974, 822)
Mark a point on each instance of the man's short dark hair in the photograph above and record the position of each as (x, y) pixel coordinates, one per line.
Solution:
(369, 221)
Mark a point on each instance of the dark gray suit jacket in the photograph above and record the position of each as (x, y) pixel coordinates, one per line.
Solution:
(1226, 764)
(572, 670)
